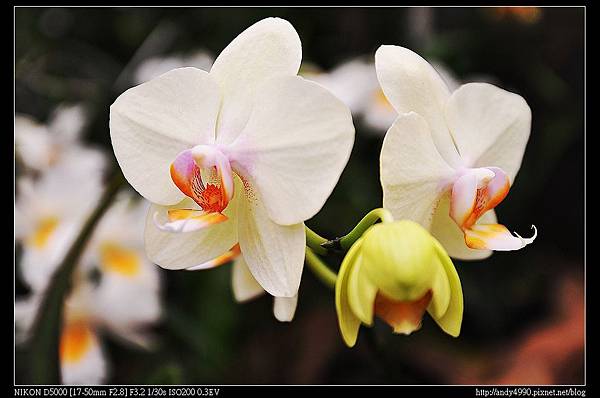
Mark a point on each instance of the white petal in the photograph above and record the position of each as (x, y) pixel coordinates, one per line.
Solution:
(33, 142)
(173, 250)
(411, 84)
(267, 49)
(284, 308)
(412, 170)
(151, 123)
(294, 147)
(245, 287)
(126, 301)
(447, 232)
(274, 253)
(490, 126)
(67, 122)
(447, 76)
(89, 368)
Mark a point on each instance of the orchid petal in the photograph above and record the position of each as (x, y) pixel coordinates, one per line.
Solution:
(411, 84)
(141, 294)
(490, 126)
(361, 292)
(274, 253)
(267, 49)
(284, 308)
(348, 322)
(153, 122)
(245, 287)
(451, 319)
(219, 260)
(177, 251)
(412, 170)
(294, 147)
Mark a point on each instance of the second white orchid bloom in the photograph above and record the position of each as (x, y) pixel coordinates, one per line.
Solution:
(450, 157)
(236, 159)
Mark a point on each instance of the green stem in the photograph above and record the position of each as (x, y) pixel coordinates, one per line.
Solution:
(45, 364)
(320, 269)
(345, 242)
(314, 241)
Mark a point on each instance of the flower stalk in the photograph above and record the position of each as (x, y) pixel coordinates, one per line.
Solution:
(320, 269)
(345, 242)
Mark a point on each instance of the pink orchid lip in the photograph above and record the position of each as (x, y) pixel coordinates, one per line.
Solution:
(475, 192)
(204, 174)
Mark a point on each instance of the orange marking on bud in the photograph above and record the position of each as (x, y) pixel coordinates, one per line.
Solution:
(403, 316)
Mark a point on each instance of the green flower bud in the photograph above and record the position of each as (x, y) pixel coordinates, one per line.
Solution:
(397, 271)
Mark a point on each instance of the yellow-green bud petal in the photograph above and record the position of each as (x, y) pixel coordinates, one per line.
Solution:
(348, 322)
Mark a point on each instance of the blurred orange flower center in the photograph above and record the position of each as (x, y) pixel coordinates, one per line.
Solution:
(75, 341)
(43, 231)
(119, 259)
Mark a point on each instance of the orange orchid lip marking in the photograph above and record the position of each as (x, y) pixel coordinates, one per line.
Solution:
(212, 196)
(220, 260)
(188, 220)
(203, 174)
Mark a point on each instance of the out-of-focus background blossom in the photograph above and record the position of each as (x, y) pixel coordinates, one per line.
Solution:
(128, 321)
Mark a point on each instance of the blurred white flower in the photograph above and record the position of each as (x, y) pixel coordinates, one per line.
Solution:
(49, 213)
(156, 66)
(236, 159)
(355, 83)
(451, 156)
(124, 301)
(57, 143)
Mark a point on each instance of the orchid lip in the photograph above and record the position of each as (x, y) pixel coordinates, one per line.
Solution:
(188, 220)
(475, 192)
(204, 174)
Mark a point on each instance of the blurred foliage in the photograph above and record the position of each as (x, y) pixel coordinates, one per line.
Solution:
(88, 55)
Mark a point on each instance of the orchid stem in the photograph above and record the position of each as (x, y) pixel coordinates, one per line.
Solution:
(320, 269)
(314, 241)
(345, 242)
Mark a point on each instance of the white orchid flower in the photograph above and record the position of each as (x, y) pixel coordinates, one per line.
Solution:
(49, 213)
(124, 301)
(57, 143)
(450, 157)
(156, 66)
(236, 159)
